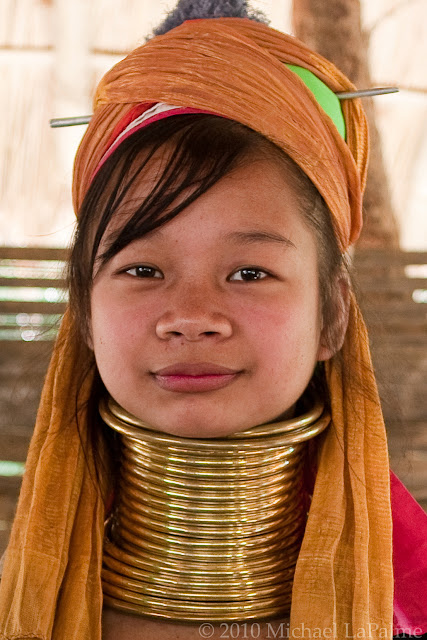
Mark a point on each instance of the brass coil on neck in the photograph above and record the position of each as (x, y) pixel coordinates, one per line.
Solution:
(207, 529)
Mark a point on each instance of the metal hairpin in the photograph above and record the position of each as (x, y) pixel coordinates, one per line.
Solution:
(342, 95)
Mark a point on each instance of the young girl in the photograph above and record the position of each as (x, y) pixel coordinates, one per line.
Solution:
(211, 381)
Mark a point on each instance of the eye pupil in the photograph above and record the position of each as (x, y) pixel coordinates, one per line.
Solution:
(144, 272)
(254, 274)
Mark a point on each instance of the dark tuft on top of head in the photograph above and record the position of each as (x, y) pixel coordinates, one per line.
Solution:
(202, 9)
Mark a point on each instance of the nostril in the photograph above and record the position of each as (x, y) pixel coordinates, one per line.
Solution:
(206, 333)
(193, 326)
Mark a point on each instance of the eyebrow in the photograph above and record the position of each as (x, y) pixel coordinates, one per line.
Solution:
(251, 236)
(254, 236)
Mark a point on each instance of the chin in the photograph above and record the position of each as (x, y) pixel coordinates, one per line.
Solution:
(196, 422)
(198, 426)
(197, 430)
(194, 428)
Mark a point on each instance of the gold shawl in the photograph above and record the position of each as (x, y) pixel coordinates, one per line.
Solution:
(51, 585)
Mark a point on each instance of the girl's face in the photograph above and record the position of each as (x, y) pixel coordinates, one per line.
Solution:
(230, 283)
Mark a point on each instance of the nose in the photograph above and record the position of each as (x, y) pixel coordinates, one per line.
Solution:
(194, 313)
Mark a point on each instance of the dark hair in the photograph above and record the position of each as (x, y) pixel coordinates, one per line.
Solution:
(202, 9)
(202, 149)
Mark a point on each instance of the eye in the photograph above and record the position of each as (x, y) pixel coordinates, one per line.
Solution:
(143, 271)
(249, 274)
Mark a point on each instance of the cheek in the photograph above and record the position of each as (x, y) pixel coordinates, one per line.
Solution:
(114, 318)
(123, 329)
(111, 327)
(285, 335)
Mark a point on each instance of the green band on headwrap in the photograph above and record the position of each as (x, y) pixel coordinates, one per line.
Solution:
(324, 96)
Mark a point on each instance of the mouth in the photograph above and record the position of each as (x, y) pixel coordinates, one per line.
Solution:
(197, 377)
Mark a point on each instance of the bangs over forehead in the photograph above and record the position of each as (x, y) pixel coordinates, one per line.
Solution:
(196, 151)
(181, 156)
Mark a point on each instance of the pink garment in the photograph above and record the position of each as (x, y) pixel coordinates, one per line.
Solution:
(409, 561)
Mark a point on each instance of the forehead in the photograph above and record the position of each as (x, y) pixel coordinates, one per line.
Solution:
(258, 192)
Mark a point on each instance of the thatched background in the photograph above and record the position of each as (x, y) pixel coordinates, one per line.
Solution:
(52, 52)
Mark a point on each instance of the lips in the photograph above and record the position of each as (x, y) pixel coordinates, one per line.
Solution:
(195, 369)
(196, 377)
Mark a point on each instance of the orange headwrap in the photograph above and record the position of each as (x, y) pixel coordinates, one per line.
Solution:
(343, 585)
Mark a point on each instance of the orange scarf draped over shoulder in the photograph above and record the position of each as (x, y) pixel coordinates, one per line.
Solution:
(343, 586)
